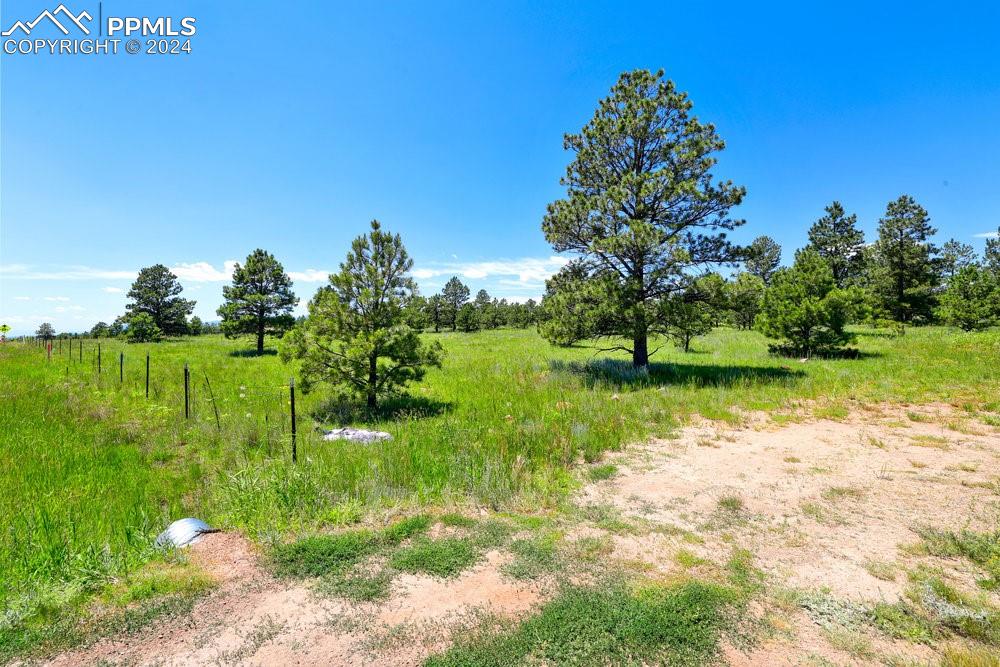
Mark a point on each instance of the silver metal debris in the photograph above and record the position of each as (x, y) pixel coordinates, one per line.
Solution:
(183, 532)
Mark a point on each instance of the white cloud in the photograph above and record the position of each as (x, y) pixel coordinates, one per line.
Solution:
(529, 271)
(22, 298)
(56, 298)
(987, 235)
(112, 290)
(203, 272)
(309, 276)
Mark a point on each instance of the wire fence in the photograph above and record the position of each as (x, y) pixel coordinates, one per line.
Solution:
(260, 412)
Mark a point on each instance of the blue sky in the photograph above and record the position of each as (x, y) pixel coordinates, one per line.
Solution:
(291, 125)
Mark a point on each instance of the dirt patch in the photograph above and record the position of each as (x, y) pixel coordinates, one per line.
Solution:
(822, 505)
(255, 619)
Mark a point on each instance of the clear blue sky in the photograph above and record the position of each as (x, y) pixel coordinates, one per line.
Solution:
(291, 125)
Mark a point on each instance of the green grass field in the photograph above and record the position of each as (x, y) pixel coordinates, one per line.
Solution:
(92, 470)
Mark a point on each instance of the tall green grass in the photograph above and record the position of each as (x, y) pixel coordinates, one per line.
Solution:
(91, 469)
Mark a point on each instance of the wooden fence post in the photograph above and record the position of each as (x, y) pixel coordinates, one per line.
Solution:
(147, 375)
(121, 368)
(187, 382)
(98, 358)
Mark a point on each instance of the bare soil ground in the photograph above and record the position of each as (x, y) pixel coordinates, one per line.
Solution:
(822, 505)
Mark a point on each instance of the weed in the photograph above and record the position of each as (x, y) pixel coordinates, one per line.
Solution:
(881, 570)
(533, 558)
(444, 557)
(602, 472)
(360, 587)
(322, 554)
(606, 625)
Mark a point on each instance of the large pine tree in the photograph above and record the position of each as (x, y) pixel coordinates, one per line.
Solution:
(642, 209)
(902, 272)
(155, 292)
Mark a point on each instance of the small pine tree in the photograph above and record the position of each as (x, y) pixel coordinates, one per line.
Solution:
(195, 326)
(744, 296)
(972, 300)
(467, 319)
(356, 336)
(142, 329)
(803, 308)
(688, 314)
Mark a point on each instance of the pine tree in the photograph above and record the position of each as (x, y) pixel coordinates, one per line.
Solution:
(762, 258)
(745, 293)
(972, 299)
(955, 256)
(455, 294)
(836, 237)
(155, 292)
(803, 307)
(902, 269)
(641, 208)
(259, 301)
(356, 336)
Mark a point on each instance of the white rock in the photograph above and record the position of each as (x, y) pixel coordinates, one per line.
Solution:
(356, 435)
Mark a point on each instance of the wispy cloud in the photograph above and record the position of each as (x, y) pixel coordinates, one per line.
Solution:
(523, 272)
(987, 235)
(56, 298)
(22, 298)
(112, 290)
(26, 272)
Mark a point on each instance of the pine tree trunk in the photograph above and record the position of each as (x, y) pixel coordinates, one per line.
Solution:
(372, 379)
(260, 338)
(640, 348)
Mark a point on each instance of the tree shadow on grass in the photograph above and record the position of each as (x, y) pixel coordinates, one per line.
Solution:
(343, 411)
(253, 353)
(619, 373)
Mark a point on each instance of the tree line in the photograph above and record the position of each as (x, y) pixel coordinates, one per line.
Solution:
(644, 222)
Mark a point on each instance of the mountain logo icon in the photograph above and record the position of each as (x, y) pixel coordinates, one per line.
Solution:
(67, 15)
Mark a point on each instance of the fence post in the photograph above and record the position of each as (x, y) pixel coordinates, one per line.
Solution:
(291, 390)
(121, 368)
(98, 358)
(81, 350)
(187, 382)
(147, 375)
(48, 351)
